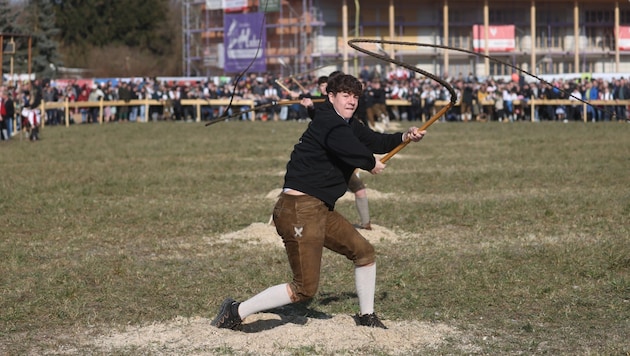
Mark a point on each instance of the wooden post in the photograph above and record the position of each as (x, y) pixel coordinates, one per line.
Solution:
(532, 34)
(357, 14)
(67, 110)
(100, 111)
(576, 35)
(617, 58)
(445, 30)
(1, 59)
(392, 34)
(486, 32)
(198, 119)
(344, 22)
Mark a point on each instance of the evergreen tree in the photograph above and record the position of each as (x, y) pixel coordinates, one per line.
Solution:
(78, 21)
(114, 29)
(133, 23)
(40, 23)
(8, 25)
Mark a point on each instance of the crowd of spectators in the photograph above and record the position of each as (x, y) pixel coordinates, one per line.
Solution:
(479, 100)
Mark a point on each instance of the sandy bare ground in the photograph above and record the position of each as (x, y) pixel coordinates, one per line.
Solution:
(284, 331)
(278, 334)
(264, 233)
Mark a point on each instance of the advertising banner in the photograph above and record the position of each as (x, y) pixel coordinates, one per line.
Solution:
(624, 38)
(244, 40)
(500, 38)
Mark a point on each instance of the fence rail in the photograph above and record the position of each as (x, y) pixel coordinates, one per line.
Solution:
(533, 103)
(68, 106)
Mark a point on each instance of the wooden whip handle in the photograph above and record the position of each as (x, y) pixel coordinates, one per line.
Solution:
(422, 128)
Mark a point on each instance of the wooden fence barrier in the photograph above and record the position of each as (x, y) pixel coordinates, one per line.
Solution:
(67, 106)
(533, 103)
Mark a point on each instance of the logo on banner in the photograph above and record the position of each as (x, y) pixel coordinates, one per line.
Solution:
(624, 38)
(500, 38)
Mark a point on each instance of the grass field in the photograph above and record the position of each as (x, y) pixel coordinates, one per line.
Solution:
(521, 231)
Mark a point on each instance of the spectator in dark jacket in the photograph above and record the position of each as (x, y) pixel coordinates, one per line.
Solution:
(126, 94)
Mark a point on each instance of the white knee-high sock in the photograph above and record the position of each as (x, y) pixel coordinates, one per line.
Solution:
(270, 298)
(365, 280)
(363, 209)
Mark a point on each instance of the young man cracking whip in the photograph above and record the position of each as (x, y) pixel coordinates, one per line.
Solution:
(321, 164)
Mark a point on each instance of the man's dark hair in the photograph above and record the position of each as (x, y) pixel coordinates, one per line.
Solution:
(334, 74)
(321, 80)
(344, 83)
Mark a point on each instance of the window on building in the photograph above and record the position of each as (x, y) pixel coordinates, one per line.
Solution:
(550, 38)
(460, 37)
(598, 17)
(508, 16)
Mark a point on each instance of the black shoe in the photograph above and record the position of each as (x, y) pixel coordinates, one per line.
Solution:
(228, 317)
(367, 226)
(370, 320)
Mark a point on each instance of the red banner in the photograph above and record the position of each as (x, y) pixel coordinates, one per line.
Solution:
(63, 83)
(500, 38)
(624, 38)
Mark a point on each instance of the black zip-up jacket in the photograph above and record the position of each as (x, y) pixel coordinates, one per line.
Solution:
(330, 150)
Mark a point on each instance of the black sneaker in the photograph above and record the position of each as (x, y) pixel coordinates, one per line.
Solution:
(370, 320)
(367, 226)
(228, 317)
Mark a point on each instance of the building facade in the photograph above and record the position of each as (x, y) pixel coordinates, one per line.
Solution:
(544, 37)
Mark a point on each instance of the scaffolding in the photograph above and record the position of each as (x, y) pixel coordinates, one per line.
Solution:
(291, 34)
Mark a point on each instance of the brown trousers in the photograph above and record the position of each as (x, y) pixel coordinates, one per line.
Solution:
(375, 111)
(306, 227)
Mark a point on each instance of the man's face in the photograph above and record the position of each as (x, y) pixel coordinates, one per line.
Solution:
(322, 88)
(344, 103)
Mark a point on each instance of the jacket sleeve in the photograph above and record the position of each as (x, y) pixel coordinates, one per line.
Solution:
(376, 142)
(339, 140)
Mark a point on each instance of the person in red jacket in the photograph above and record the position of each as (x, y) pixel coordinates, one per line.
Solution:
(7, 112)
(317, 175)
